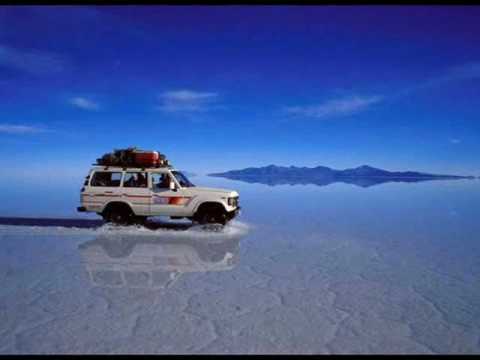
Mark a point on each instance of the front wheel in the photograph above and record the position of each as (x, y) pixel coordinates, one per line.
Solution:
(213, 217)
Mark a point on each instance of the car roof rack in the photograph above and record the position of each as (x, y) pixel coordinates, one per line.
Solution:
(143, 168)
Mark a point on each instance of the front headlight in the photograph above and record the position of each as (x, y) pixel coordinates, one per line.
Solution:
(233, 201)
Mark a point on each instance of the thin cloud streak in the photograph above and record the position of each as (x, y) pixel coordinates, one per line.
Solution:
(20, 129)
(84, 103)
(34, 62)
(187, 101)
(465, 71)
(355, 104)
(335, 107)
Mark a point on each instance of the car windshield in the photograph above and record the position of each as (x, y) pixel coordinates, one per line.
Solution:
(182, 179)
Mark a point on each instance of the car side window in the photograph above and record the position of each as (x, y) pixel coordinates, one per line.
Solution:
(135, 179)
(160, 181)
(105, 178)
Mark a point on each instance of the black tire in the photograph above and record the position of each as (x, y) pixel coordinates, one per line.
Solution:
(213, 216)
(119, 215)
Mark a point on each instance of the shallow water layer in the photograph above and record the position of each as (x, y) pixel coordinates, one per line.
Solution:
(393, 268)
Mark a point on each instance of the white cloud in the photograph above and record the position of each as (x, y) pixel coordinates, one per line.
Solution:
(84, 103)
(352, 105)
(31, 61)
(19, 129)
(187, 101)
(465, 71)
(335, 107)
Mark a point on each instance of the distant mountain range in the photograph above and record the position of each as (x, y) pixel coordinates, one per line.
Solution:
(363, 176)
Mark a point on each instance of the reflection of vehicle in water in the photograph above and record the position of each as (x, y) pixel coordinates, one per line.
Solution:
(153, 261)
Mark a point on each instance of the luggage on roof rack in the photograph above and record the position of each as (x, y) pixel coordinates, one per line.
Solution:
(131, 157)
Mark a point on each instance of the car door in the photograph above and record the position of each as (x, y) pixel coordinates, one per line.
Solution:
(104, 187)
(166, 201)
(136, 192)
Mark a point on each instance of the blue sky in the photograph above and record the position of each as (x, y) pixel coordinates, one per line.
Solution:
(219, 88)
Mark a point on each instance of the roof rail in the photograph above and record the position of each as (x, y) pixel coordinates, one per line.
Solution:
(170, 166)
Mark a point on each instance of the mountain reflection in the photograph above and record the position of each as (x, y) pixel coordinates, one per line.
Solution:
(153, 261)
(363, 182)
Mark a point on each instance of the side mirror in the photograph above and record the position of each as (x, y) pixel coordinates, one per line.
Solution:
(172, 186)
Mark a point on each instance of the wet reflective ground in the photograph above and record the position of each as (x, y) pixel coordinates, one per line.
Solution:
(392, 268)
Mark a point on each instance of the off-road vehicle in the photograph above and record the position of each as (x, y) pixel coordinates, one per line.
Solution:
(125, 195)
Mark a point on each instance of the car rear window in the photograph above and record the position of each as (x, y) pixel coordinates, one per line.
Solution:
(104, 178)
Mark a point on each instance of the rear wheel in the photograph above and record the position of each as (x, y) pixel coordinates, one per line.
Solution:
(119, 215)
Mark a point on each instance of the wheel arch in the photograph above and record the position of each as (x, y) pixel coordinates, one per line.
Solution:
(117, 204)
(207, 205)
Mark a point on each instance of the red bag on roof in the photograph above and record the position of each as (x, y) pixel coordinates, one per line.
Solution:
(147, 158)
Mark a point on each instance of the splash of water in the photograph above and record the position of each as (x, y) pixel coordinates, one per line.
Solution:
(233, 228)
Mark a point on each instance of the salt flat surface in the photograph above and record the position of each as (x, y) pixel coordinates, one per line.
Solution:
(392, 269)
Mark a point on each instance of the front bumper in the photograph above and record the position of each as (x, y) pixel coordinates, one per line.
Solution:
(232, 214)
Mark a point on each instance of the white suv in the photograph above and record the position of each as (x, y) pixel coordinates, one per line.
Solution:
(129, 195)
